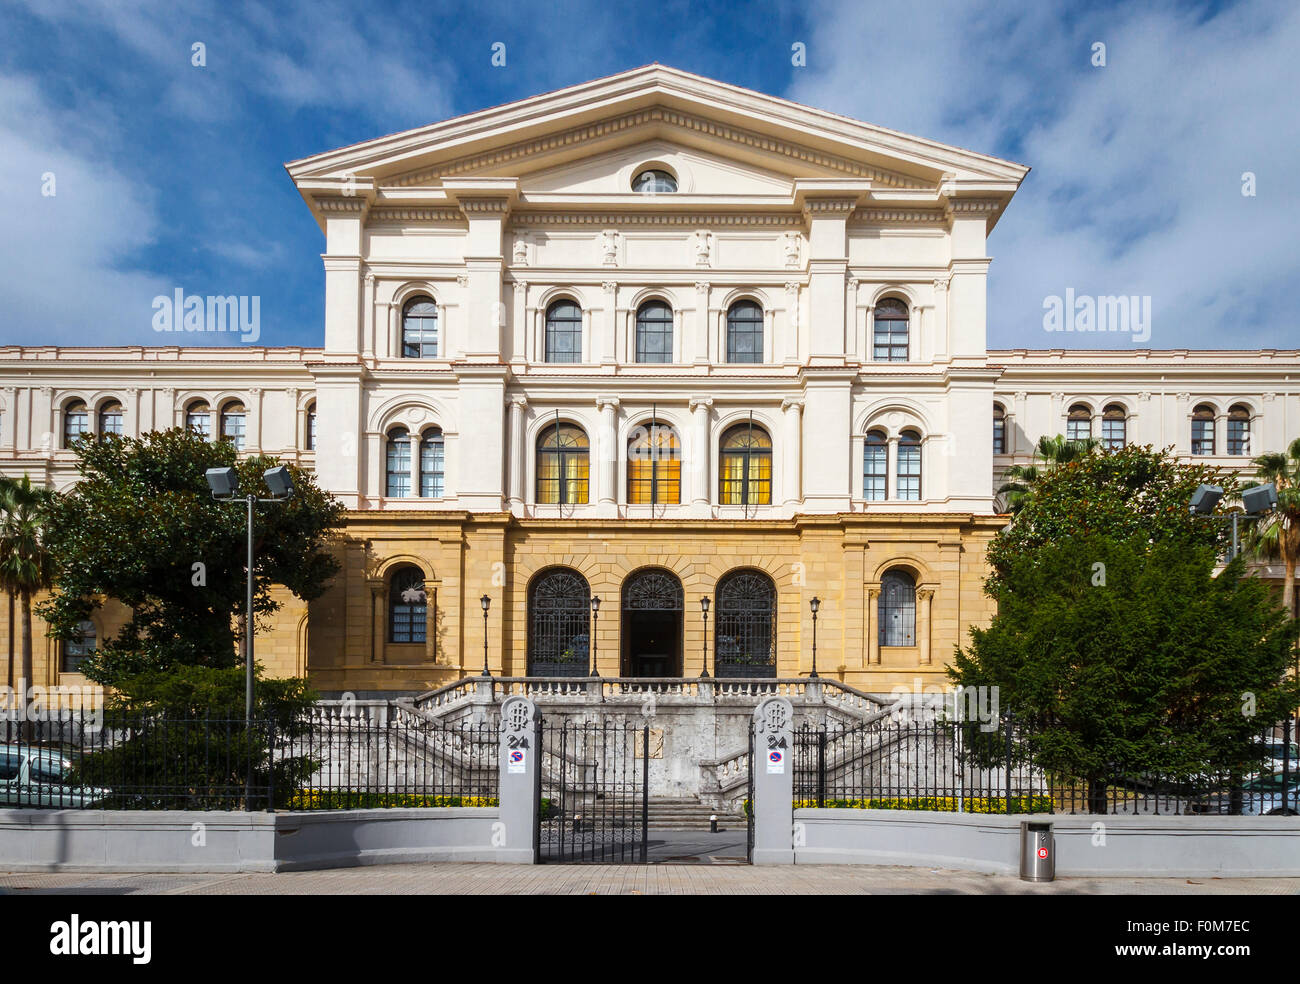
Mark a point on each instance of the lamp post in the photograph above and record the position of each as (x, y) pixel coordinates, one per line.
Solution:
(224, 485)
(704, 652)
(1254, 501)
(486, 602)
(814, 604)
(595, 615)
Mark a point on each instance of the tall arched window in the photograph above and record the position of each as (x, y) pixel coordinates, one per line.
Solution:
(1078, 424)
(408, 606)
(1114, 427)
(897, 609)
(563, 465)
(1203, 430)
(76, 421)
(80, 646)
(875, 466)
(1238, 429)
(559, 614)
(420, 329)
(654, 332)
(745, 332)
(745, 625)
(397, 484)
(110, 418)
(233, 424)
(654, 465)
(909, 466)
(431, 463)
(889, 342)
(564, 332)
(745, 466)
(999, 429)
(311, 427)
(198, 418)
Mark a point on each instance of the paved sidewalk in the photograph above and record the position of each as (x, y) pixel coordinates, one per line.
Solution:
(653, 879)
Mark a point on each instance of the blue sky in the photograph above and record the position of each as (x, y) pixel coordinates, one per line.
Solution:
(169, 175)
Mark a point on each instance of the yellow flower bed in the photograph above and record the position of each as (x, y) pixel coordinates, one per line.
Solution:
(939, 804)
(330, 799)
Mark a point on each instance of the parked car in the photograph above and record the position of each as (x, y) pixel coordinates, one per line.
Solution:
(1260, 796)
(1274, 750)
(33, 776)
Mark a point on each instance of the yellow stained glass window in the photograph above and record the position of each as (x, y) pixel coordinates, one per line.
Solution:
(563, 465)
(654, 465)
(745, 467)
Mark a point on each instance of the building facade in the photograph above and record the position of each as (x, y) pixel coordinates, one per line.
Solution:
(654, 340)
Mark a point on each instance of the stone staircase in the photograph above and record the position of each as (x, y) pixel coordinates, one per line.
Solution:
(688, 813)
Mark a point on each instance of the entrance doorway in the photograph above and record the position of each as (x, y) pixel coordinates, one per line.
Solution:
(652, 624)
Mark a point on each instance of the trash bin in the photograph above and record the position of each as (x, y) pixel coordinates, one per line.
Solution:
(1037, 851)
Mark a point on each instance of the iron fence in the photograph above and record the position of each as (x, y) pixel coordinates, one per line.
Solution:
(82, 760)
(911, 764)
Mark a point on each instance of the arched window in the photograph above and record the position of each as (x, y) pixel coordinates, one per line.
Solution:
(654, 465)
(80, 646)
(397, 484)
(875, 466)
(420, 329)
(745, 625)
(909, 466)
(431, 464)
(76, 421)
(110, 418)
(1078, 425)
(564, 332)
(311, 427)
(1114, 427)
(654, 332)
(1203, 430)
(745, 332)
(745, 466)
(563, 465)
(1238, 429)
(653, 181)
(408, 606)
(890, 332)
(897, 609)
(559, 618)
(198, 418)
(999, 429)
(232, 424)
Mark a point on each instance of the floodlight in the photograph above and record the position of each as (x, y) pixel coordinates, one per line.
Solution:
(222, 481)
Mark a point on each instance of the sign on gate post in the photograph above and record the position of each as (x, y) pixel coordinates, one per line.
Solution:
(515, 835)
(773, 774)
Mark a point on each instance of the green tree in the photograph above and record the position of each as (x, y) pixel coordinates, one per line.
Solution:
(1131, 493)
(1122, 657)
(142, 527)
(1020, 480)
(1278, 533)
(26, 567)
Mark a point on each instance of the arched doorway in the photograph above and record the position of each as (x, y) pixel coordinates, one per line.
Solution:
(559, 610)
(652, 624)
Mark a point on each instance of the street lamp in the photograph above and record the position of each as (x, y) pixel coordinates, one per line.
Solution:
(1255, 502)
(595, 615)
(704, 652)
(814, 604)
(486, 602)
(224, 485)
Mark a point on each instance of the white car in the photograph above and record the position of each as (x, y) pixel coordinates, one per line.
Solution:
(1263, 796)
(33, 776)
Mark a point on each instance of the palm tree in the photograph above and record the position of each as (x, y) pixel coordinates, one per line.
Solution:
(1278, 532)
(1054, 452)
(25, 565)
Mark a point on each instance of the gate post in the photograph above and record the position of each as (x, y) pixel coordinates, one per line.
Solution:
(772, 770)
(519, 773)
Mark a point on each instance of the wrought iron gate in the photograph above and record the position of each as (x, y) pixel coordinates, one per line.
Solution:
(749, 799)
(595, 792)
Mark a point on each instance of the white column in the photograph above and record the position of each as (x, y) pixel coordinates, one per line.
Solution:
(414, 438)
(923, 598)
(792, 460)
(701, 451)
(891, 469)
(607, 469)
(518, 453)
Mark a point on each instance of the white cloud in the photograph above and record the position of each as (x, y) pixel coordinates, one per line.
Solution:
(1136, 185)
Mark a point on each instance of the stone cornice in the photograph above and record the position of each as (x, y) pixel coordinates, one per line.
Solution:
(637, 217)
(341, 206)
(901, 215)
(648, 117)
(415, 214)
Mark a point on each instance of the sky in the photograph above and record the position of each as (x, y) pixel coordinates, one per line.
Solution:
(1164, 164)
